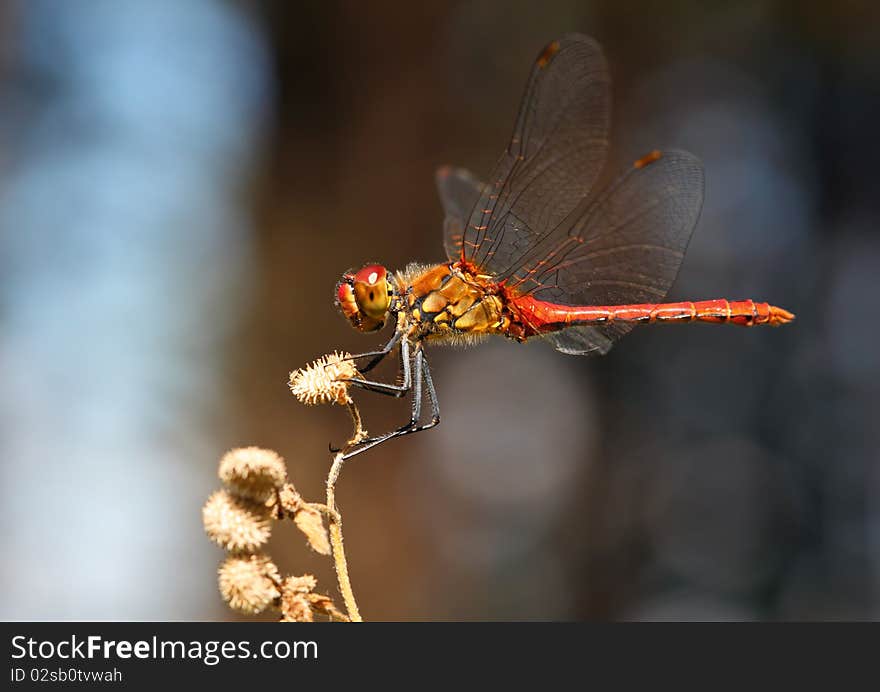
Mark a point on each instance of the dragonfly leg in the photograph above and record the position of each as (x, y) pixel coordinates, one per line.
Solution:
(395, 390)
(378, 356)
(422, 374)
(432, 396)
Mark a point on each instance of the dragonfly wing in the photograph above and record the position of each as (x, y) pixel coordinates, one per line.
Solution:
(459, 191)
(554, 158)
(582, 341)
(538, 224)
(623, 246)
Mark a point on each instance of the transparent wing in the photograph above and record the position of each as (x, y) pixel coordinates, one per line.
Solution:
(625, 246)
(586, 341)
(539, 225)
(459, 192)
(554, 158)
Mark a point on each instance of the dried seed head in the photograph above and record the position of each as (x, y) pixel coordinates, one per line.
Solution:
(248, 583)
(324, 381)
(295, 602)
(324, 604)
(236, 524)
(291, 501)
(304, 584)
(253, 472)
(308, 519)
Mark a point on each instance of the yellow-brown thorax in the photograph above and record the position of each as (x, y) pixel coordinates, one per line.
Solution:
(446, 300)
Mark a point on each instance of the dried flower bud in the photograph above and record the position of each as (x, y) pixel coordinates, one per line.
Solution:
(308, 519)
(324, 604)
(236, 524)
(295, 602)
(248, 583)
(291, 501)
(324, 381)
(253, 472)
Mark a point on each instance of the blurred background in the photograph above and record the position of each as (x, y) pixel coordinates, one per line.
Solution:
(182, 183)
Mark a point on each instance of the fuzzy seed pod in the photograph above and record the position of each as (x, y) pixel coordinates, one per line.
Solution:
(236, 524)
(324, 381)
(253, 472)
(295, 599)
(248, 583)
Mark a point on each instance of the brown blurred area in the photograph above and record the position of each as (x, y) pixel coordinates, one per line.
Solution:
(372, 98)
(695, 472)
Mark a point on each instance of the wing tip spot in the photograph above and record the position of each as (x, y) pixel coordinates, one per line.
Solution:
(648, 159)
(547, 54)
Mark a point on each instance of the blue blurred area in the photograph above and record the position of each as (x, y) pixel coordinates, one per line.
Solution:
(128, 132)
(181, 184)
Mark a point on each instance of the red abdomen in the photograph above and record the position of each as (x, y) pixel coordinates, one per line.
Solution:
(542, 316)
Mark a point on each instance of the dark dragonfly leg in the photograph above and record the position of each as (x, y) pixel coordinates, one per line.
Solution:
(422, 375)
(395, 390)
(378, 356)
(432, 396)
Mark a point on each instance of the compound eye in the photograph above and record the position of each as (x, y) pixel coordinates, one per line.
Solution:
(371, 275)
(345, 298)
(372, 292)
(343, 290)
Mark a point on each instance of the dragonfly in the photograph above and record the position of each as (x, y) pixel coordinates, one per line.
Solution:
(542, 251)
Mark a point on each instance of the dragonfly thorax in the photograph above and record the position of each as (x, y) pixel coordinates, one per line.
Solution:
(447, 302)
(364, 297)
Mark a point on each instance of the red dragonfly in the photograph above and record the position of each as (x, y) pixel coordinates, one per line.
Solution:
(541, 251)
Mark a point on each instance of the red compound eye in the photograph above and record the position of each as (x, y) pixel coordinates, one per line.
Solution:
(371, 275)
(343, 289)
(345, 297)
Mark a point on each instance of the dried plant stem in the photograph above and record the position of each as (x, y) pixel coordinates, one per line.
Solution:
(335, 518)
(339, 558)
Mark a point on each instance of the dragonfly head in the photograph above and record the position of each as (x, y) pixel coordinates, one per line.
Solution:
(364, 297)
